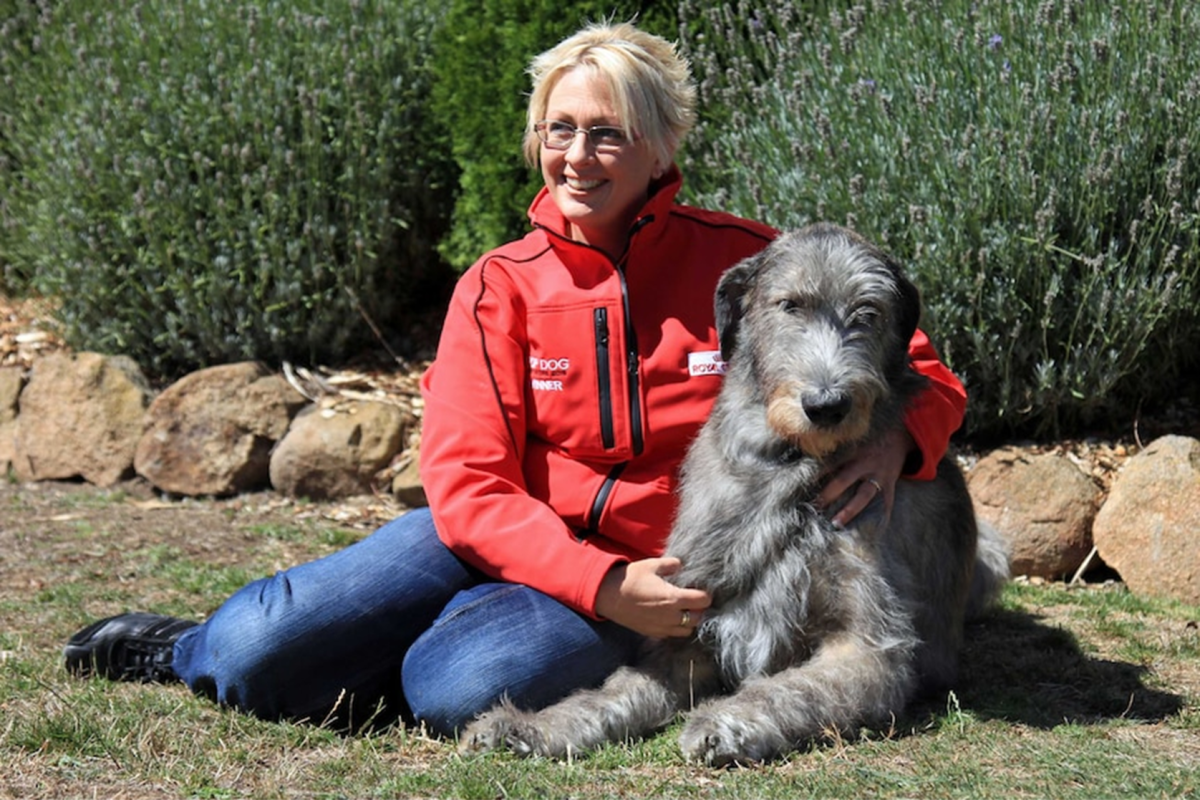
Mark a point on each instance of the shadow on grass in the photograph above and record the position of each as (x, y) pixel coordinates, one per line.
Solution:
(1018, 669)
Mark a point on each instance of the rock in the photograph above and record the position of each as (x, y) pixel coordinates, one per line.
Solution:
(211, 432)
(1043, 504)
(407, 486)
(1146, 530)
(334, 451)
(11, 381)
(80, 416)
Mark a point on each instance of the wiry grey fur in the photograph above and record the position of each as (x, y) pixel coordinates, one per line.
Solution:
(813, 629)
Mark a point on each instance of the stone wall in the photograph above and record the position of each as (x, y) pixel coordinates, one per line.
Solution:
(239, 427)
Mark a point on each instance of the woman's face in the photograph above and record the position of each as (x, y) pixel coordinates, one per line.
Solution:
(598, 191)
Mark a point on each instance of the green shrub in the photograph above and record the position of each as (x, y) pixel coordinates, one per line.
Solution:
(1035, 163)
(207, 181)
(18, 39)
(480, 97)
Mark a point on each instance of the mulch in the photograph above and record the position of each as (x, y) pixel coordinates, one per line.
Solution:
(27, 330)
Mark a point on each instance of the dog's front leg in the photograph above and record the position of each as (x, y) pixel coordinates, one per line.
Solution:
(846, 682)
(633, 702)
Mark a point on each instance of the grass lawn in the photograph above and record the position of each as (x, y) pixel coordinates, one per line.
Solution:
(1085, 692)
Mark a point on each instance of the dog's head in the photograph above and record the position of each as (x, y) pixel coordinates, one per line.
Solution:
(823, 318)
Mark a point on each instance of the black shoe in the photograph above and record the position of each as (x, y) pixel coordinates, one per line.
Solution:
(127, 647)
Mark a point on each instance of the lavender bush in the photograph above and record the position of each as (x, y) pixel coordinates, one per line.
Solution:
(1034, 162)
(200, 182)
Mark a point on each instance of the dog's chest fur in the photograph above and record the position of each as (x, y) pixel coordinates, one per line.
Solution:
(769, 608)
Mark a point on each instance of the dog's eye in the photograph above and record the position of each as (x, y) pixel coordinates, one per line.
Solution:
(863, 317)
(791, 305)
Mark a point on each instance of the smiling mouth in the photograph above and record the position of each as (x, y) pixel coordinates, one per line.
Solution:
(582, 185)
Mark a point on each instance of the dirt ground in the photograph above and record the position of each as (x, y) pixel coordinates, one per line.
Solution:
(103, 542)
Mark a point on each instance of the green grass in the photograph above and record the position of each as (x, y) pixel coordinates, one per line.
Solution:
(1064, 693)
(334, 537)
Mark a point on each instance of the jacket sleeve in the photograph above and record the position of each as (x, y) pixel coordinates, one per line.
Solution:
(936, 413)
(473, 444)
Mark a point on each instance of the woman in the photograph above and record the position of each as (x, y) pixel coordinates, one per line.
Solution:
(575, 366)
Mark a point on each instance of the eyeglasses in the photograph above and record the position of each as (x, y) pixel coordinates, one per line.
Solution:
(561, 135)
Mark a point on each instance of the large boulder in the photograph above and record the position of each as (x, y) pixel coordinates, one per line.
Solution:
(211, 432)
(1146, 530)
(1043, 504)
(335, 450)
(80, 416)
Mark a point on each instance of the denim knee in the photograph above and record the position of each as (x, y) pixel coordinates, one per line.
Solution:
(505, 640)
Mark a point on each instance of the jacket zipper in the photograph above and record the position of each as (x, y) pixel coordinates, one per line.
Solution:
(631, 366)
(601, 499)
(600, 319)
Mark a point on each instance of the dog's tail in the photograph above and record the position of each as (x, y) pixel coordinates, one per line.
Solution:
(991, 570)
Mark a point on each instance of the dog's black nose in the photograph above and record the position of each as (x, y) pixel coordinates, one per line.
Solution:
(825, 408)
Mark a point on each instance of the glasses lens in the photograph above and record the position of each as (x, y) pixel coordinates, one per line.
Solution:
(605, 136)
(561, 135)
(557, 135)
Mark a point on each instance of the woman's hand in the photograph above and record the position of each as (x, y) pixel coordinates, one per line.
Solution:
(872, 469)
(638, 596)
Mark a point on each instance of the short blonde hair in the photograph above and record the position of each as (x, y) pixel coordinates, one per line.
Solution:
(651, 84)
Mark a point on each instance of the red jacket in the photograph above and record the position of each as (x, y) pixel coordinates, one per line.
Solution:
(567, 388)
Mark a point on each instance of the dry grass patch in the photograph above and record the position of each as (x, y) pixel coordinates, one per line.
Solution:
(1083, 692)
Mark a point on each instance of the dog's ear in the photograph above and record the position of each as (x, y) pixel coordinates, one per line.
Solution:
(910, 301)
(730, 301)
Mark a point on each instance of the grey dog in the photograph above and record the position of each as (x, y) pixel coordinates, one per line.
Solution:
(815, 629)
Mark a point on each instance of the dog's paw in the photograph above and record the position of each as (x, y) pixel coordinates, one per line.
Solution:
(502, 728)
(720, 740)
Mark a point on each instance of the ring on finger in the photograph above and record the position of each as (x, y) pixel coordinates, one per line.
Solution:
(686, 619)
(875, 483)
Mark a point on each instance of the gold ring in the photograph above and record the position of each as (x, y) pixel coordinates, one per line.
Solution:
(875, 483)
(686, 620)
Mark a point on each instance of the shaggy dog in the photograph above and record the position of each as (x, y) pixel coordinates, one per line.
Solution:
(814, 629)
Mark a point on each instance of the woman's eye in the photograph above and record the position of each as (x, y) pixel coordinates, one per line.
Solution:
(607, 135)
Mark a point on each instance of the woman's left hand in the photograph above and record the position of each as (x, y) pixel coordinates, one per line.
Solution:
(872, 469)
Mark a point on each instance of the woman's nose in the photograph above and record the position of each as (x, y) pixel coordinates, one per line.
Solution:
(581, 147)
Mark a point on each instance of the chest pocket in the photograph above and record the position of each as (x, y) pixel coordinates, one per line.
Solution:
(577, 390)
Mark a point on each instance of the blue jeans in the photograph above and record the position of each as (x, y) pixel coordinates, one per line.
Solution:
(395, 621)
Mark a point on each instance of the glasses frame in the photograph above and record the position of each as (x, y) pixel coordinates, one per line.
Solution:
(542, 129)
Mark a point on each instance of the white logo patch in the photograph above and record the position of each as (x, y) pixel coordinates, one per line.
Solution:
(708, 362)
(547, 374)
(549, 366)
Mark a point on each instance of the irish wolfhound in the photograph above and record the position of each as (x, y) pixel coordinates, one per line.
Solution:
(814, 629)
